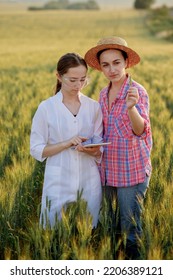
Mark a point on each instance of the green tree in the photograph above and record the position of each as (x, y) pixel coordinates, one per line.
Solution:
(92, 5)
(60, 4)
(89, 5)
(143, 4)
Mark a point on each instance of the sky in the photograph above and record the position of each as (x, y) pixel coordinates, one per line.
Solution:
(118, 3)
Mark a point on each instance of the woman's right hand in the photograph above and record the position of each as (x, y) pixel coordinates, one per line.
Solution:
(76, 140)
(53, 149)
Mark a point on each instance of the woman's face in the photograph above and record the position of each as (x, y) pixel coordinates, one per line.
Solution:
(113, 65)
(74, 80)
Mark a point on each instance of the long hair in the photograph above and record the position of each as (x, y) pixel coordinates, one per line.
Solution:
(67, 61)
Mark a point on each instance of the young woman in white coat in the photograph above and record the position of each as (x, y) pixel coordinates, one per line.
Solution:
(60, 127)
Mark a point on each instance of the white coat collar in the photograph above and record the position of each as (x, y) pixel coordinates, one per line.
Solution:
(59, 95)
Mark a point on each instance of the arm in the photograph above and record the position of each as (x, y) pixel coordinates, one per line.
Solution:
(53, 149)
(136, 120)
(137, 110)
(40, 148)
(39, 133)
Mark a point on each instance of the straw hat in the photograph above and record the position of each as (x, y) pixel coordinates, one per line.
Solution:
(111, 43)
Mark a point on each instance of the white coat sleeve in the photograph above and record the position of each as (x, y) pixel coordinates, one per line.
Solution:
(98, 130)
(39, 133)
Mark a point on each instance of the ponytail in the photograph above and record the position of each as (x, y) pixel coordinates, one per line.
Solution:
(58, 87)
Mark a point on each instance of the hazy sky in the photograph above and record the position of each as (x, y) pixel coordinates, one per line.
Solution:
(118, 3)
(129, 3)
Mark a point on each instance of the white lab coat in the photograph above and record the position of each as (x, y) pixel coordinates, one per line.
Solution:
(69, 171)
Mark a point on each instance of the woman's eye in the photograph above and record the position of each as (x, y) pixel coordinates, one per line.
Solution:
(116, 62)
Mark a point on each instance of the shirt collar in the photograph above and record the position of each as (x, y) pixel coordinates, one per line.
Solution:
(123, 91)
(60, 96)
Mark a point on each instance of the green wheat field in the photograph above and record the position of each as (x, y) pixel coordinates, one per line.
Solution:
(31, 44)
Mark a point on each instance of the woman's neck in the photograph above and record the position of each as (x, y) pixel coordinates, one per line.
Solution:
(70, 98)
(114, 90)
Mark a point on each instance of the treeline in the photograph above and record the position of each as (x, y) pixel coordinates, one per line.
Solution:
(143, 4)
(160, 22)
(66, 5)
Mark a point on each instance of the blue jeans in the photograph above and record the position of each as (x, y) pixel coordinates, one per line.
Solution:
(130, 203)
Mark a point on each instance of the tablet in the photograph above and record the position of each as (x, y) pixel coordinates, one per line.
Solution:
(96, 144)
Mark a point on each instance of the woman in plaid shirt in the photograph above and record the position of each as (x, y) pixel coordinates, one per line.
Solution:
(126, 166)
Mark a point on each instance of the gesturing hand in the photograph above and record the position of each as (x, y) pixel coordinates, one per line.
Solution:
(132, 97)
(76, 140)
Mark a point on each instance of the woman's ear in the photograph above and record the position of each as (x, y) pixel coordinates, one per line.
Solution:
(58, 76)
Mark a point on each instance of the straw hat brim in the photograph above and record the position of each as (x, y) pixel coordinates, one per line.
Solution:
(92, 60)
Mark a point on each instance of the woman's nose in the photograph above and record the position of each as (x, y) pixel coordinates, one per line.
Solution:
(112, 68)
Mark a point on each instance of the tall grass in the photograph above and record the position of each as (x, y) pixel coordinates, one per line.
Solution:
(30, 47)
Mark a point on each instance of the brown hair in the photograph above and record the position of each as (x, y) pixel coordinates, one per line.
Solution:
(67, 61)
(124, 54)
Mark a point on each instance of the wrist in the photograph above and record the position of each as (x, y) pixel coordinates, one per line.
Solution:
(131, 109)
(97, 154)
(66, 144)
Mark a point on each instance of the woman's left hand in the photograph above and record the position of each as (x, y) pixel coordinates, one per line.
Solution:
(132, 97)
(93, 151)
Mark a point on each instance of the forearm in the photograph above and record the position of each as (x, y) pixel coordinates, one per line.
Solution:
(53, 149)
(137, 121)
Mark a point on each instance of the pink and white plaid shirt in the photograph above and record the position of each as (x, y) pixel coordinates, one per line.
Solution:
(127, 160)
